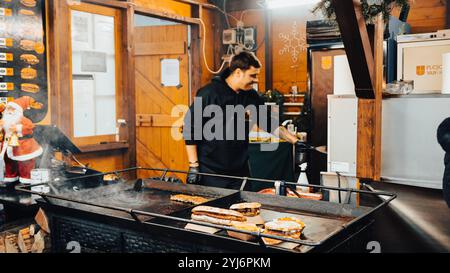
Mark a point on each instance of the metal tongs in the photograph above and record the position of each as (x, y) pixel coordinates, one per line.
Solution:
(305, 146)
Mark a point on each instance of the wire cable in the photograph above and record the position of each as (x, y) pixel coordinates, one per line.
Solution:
(245, 11)
(241, 19)
(204, 51)
(225, 12)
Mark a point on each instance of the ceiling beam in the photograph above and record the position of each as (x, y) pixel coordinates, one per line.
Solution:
(357, 45)
(365, 56)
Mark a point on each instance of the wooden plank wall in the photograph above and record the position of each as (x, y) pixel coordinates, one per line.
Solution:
(426, 15)
(213, 28)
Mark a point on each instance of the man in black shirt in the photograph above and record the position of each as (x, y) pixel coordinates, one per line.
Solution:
(217, 124)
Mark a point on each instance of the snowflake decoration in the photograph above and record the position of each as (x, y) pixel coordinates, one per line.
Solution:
(294, 43)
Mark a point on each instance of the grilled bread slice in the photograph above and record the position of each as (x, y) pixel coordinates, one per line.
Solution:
(288, 229)
(247, 209)
(190, 199)
(293, 219)
(244, 227)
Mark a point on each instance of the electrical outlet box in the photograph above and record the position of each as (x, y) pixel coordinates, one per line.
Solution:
(249, 38)
(229, 37)
(249, 35)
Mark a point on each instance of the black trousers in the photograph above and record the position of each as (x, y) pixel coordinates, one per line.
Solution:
(221, 182)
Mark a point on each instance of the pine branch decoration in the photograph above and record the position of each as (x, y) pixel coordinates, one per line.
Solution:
(370, 8)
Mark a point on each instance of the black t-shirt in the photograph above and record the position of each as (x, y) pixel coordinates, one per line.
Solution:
(226, 149)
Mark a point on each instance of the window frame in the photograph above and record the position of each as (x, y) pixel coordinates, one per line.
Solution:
(119, 92)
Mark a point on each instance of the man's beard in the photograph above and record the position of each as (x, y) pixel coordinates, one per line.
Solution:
(10, 119)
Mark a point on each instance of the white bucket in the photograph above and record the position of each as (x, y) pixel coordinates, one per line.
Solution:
(40, 176)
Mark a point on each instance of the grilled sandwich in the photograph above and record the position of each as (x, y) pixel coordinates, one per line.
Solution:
(288, 229)
(217, 215)
(247, 209)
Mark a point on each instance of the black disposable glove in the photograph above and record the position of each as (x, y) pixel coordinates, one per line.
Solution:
(193, 176)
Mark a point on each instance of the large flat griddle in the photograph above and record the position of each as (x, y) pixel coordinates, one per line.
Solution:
(149, 208)
(322, 219)
(154, 197)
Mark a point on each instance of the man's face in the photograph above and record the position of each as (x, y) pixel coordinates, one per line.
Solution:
(247, 78)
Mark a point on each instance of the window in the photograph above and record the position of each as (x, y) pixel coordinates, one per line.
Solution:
(95, 62)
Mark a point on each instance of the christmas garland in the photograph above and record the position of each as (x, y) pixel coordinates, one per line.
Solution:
(370, 8)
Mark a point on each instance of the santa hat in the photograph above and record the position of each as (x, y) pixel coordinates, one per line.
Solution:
(21, 104)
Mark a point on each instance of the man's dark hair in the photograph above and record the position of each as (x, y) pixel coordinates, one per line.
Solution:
(244, 61)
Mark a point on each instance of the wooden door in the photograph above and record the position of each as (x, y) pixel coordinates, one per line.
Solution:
(322, 84)
(156, 146)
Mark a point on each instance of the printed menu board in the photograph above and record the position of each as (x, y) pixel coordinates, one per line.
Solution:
(23, 62)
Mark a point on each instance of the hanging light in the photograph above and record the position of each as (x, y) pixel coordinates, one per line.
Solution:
(274, 4)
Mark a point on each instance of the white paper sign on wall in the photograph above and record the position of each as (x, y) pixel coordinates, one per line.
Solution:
(170, 72)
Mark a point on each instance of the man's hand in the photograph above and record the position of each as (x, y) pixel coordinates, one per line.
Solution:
(283, 133)
(193, 176)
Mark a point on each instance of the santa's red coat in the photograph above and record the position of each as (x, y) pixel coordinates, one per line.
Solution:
(28, 147)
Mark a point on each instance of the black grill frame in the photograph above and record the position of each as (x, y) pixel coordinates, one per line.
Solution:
(122, 232)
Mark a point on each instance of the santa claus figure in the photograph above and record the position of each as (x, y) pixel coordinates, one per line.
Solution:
(19, 156)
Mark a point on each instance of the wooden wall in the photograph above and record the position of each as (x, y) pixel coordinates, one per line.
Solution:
(289, 48)
(289, 66)
(424, 16)
(213, 22)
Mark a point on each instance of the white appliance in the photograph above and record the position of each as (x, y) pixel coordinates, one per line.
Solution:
(410, 153)
(419, 58)
(343, 79)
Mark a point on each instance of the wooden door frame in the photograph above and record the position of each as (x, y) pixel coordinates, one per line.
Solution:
(119, 95)
(129, 11)
(194, 78)
(61, 55)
